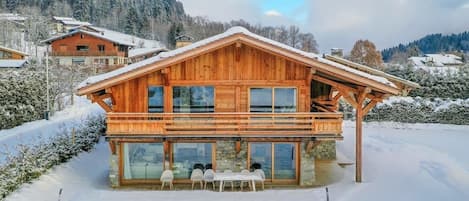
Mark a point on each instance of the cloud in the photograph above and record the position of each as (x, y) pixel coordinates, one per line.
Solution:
(340, 23)
(273, 13)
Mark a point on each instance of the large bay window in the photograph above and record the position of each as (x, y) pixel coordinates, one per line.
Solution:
(193, 99)
(279, 100)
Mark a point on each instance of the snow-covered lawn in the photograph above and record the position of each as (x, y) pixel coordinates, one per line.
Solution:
(31, 132)
(401, 162)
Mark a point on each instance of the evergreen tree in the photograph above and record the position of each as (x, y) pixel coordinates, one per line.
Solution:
(11, 5)
(131, 21)
(81, 10)
(175, 30)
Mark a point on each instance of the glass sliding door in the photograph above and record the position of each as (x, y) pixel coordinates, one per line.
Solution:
(193, 99)
(143, 160)
(261, 158)
(277, 160)
(284, 161)
(190, 156)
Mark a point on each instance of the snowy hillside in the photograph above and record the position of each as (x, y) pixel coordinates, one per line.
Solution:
(401, 162)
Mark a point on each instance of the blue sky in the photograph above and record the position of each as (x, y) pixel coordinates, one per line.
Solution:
(339, 23)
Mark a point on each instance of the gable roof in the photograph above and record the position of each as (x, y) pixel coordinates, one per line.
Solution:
(13, 50)
(235, 34)
(94, 34)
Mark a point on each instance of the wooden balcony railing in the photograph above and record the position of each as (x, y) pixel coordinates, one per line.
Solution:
(192, 124)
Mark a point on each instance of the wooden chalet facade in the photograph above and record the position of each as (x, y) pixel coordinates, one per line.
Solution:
(233, 101)
(12, 59)
(88, 46)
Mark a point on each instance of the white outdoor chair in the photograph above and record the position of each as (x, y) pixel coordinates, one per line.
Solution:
(260, 172)
(167, 177)
(197, 176)
(244, 171)
(224, 182)
(209, 177)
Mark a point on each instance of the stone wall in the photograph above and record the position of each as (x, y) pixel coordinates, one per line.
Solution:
(114, 170)
(227, 158)
(325, 151)
(307, 174)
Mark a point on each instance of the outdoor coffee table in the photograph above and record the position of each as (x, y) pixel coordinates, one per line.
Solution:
(237, 176)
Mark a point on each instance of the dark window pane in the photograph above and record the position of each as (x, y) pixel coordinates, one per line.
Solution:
(285, 100)
(261, 156)
(261, 100)
(285, 161)
(155, 99)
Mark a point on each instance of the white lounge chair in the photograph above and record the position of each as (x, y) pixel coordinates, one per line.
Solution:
(243, 182)
(224, 182)
(197, 176)
(167, 177)
(261, 173)
(209, 177)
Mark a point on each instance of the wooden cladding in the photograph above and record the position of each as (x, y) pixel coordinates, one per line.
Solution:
(239, 124)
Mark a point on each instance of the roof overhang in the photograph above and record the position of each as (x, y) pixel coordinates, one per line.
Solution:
(312, 62)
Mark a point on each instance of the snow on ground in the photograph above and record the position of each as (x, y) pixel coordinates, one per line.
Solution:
(401, 162)
(31, 132)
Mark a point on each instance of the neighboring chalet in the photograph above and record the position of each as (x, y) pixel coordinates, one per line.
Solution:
(233, 101)
(12, 59)
(139, 54)
(183, 40)
(13, 18)
(99, 47)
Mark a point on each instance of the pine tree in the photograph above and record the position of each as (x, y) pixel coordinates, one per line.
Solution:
(11, 5)
(131, 21)
(81, 10)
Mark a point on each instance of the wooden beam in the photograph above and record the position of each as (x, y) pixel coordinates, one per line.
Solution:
(337, 97)
(369, 106)
(165, 76)
(362, 94)
(334, 84)
(326, 108)
(238, 146)
(101, 103)
(112, 145)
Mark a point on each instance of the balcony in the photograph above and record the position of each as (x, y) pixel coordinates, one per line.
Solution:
(88, 53)
(225, 124)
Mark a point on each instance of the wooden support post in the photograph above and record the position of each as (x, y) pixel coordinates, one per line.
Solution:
(358, 144)
(238, 146)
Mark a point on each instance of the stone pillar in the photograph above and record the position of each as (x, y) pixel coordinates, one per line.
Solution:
(114, 171)
(227, 158)
(307, 174)
(325, 150)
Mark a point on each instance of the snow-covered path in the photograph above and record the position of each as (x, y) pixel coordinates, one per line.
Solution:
(30, 132)
(401, 162)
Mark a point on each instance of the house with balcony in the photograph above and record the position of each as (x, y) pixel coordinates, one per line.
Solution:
(98, 47)
(233, 101)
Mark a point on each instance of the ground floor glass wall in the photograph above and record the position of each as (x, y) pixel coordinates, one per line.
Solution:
(143, 160)
(277, 160)
(189, 156)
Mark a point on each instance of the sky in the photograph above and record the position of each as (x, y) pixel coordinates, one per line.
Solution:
(339, 23)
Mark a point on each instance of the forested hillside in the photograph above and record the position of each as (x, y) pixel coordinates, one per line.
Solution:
(434, 43)
(151, 19)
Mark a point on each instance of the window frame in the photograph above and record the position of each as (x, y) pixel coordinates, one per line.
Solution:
(162, 97)
(273, 96)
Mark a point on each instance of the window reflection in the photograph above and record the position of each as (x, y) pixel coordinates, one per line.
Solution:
(189, 156)
(155, 99)
(193, 99)
(143, 160)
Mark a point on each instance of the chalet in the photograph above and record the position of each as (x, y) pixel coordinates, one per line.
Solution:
(10, 58)
(233, 101)
(139, 54)
(95, 46)
(183, 40)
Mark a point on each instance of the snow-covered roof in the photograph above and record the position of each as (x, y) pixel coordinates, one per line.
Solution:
(230, 32)
(438, 60)
(11, 63)
(70, 21)
(13, 50)
(62, 18)
(113, 36)
(144, 51)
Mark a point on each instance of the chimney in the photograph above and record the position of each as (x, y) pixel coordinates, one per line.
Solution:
(337, 52)
(183, 40)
